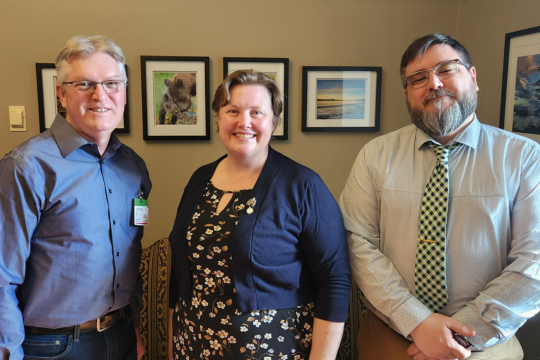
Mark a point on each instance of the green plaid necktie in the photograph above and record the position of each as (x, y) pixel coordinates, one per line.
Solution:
(430, 272)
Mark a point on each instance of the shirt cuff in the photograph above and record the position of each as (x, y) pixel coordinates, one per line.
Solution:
(408, 316)
(486, 335)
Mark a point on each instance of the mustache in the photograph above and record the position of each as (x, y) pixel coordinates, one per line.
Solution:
(438, 93)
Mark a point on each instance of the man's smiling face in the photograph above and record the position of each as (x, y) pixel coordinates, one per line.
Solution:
(93, 113)
(442, 105)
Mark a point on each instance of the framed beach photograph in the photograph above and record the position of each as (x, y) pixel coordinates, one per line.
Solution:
(49, 103)
(341, 98)
(175, 98)
(278, 70)
(520, 99)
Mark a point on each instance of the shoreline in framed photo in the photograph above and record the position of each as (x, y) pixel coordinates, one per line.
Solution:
(49, 103)
(341, 98)
(278, 70)
(175, 98)
(520, 99)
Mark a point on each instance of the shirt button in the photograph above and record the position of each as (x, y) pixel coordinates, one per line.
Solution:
(117, 286)
(114, 222)
(118, 254)
(110, 191)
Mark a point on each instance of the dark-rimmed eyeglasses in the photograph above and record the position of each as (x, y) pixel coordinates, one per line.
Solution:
(443, 70)
(109, 86)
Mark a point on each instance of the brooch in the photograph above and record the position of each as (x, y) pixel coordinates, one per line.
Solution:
(250, 203)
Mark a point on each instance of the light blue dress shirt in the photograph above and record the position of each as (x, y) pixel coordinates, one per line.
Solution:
(493, 231)
(68, 251)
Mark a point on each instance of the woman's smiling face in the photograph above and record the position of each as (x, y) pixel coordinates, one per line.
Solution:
(245, 123)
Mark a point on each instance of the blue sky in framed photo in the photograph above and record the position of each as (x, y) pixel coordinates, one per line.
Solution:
(527, 96)
(340, 98)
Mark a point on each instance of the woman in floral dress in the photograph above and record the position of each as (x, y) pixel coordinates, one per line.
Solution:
(260, 267)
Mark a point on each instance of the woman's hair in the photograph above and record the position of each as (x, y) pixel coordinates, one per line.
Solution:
(248, 77)
(86, 46)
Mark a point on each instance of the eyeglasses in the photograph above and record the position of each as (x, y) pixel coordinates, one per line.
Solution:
(109, 86)
(444, 70)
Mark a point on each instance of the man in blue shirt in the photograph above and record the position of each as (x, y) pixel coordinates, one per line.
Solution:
(488, 228)
(69, 244)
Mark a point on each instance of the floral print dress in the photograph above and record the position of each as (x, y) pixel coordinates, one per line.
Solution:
(208, 325)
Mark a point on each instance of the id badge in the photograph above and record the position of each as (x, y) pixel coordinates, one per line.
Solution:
(140, 212)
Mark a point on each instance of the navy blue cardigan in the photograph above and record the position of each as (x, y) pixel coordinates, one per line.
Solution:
(292, 250)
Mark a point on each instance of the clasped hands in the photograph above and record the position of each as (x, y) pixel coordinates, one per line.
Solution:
(433, 339)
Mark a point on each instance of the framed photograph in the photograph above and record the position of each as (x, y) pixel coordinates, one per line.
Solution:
(278, 70)
(341, 98)
(175, 98)
(520, 100)
(49, 103)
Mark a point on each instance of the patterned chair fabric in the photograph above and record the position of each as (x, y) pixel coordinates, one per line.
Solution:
(154, 269)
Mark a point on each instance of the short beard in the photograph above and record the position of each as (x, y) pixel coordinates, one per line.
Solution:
(439, 122)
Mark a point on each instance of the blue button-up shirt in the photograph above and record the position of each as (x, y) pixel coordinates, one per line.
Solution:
(69, 251)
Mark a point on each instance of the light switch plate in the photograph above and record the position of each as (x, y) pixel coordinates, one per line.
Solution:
(17, 118)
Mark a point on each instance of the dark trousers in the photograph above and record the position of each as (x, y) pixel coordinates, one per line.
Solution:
(116, 343)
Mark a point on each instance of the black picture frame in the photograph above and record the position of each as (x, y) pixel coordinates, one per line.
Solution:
(193, 120)
(323, 107)
(521, 53)
(49, 104)
(269, 66)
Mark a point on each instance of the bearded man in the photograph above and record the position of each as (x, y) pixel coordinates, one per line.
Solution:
(443, 221)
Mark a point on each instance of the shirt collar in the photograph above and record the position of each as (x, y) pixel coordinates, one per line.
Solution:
(68, 139)
(470, 136)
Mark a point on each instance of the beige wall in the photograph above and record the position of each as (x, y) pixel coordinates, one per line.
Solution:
(482, 27)
(308, 32)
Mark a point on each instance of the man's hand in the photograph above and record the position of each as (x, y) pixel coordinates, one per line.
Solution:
(433, 339)
(140, 345)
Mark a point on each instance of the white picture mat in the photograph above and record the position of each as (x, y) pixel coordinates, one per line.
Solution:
(519, 46)
(49, 95)
(154, 129)
(277, 68)
(369, 100)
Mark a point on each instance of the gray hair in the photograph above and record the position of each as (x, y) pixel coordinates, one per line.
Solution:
(421, 45)
(86, 46)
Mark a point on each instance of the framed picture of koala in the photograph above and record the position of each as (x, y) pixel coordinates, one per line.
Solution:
(175, 98)
(49, 103)
(278, 70)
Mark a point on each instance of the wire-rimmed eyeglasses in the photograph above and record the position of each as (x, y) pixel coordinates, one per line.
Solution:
(109, 86)
(443, 70)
